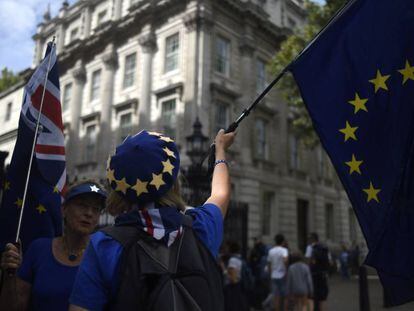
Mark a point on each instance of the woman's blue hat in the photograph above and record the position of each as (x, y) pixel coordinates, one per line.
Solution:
(144, 167)
(85, 188)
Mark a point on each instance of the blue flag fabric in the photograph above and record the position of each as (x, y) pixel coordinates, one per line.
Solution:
(42, 215)
(357, 82)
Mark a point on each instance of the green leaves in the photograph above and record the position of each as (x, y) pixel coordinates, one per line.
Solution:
(318, 17)
(7, 79)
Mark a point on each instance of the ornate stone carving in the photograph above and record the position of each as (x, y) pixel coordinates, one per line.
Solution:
(195, 19)
(148, 42)
(110, 57)
(247, 47)
(79, 72)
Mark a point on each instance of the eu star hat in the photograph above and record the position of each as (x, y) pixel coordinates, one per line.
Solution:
(144, 167)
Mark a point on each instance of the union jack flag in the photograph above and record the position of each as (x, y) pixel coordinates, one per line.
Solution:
(47, 183)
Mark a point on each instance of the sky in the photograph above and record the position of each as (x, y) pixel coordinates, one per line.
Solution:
(18, 22)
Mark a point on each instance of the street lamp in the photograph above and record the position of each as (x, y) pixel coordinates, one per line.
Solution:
(196, 144)
(196, 174)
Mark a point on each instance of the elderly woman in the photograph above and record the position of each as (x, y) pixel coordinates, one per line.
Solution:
(158, 256)
(45, 277)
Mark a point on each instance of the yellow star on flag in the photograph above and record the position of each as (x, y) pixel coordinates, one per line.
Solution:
(379, 81)
(349, 131)
(168, 167)
(121, 185)
(55, 189)
(169, 152)
(372, 193)
(6, 185)
(359, 103)
(157, 181)
(19, 202)
(407, 72)
(140, 187)
(110, 175)
(155, 133)
(41, 209)
(354, 165)
(167, 139)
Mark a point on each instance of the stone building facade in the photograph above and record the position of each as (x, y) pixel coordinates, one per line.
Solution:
(127, 65)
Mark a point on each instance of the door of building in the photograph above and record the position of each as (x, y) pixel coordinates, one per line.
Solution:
(235, 225)
(302, 223)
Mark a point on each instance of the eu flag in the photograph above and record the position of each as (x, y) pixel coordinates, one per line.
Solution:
(357, 81)
(42, 215)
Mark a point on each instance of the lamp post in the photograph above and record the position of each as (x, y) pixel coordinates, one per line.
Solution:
(196, 174)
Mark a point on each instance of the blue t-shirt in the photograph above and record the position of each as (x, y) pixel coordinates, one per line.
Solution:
(51, 281)
(96, 281)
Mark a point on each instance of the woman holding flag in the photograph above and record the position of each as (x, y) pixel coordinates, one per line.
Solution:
(46, 274)
(157, 246)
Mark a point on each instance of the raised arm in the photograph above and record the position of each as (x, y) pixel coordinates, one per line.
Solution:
(220, 185)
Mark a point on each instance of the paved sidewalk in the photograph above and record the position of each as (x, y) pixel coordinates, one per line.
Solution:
(344, 296)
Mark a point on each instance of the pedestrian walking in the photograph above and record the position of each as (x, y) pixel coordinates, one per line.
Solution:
(158, 256)
(258, 263)
(318, 256)
(46, 273)
(299, 285)
(277, 262)
(235, 293)
(344, 262)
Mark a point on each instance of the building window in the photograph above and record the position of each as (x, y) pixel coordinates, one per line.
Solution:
(168, 117)
(329, 221)
(260, 76)
(222, 116)
(101, 17)
(95, 84)
(125, 124)
(172, 45)
(8, 112)
(223, 56)
(90, 139)
(352, 225)
(73, 34)
(261, 140)
(268, 199)
(291, 23)
(67, 94)
(294, 152)
(129, 73)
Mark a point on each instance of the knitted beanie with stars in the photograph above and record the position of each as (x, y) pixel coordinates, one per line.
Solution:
(144, 167)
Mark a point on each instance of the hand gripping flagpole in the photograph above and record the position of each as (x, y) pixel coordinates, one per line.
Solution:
(246, 112)
(53, 45)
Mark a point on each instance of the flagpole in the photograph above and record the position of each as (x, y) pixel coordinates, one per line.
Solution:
(232, 127)
(34, 142)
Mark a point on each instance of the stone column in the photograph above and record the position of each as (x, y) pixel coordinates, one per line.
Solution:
(105, 141)
(247, 87)
(79, 76)
(149, 47)
(117, 9)
(87, 20)
(38, 50)
(197, 99)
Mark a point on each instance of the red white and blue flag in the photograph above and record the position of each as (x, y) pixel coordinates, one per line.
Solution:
(47, 183)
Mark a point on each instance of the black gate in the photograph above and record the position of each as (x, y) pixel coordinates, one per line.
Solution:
(235, 225)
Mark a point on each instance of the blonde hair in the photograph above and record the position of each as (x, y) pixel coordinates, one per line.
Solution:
(117, 204)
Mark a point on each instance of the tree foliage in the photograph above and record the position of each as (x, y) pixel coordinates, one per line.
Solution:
(318, 17)
(7, 79)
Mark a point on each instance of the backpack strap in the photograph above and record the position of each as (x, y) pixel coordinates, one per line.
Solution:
(125, 236)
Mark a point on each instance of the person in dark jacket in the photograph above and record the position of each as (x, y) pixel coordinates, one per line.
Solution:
(145, 195)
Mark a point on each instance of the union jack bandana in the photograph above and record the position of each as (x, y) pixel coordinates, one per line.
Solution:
(162, 223)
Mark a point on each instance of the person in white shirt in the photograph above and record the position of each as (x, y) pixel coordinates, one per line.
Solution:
(277, 262)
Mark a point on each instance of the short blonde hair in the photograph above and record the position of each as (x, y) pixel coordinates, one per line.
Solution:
(117, 204)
